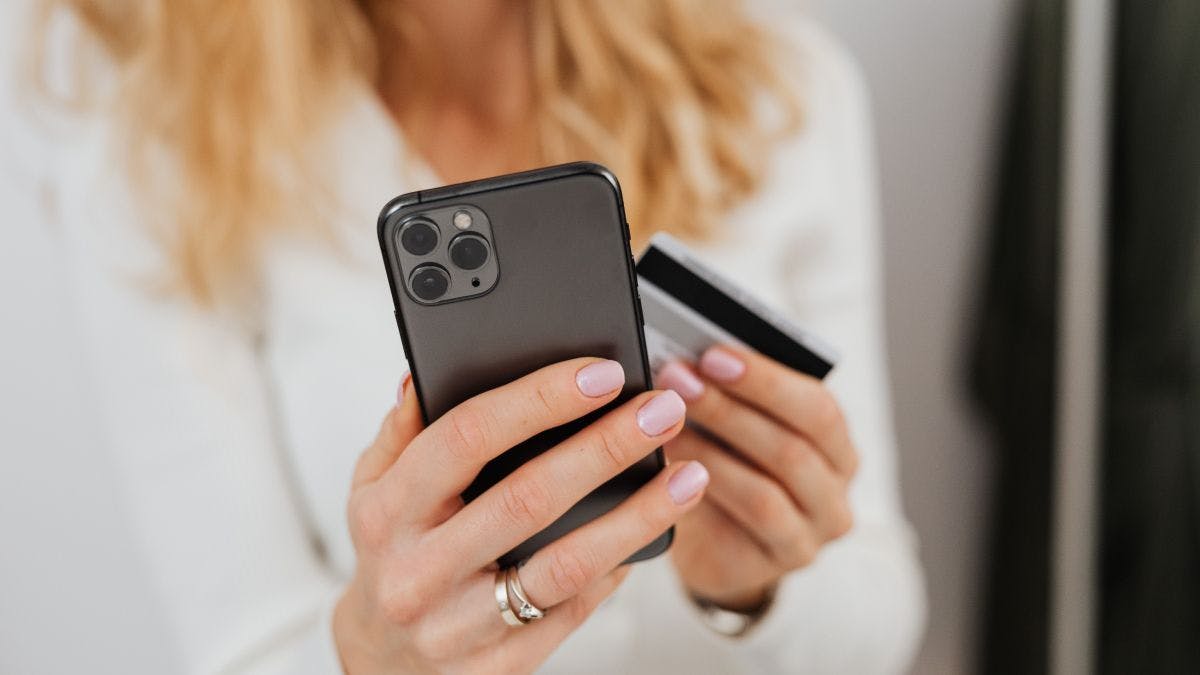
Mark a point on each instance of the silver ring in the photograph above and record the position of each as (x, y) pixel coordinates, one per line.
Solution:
(506, 611)
(526, 610)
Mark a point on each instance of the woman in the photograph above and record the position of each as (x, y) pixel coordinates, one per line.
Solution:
(243, 341)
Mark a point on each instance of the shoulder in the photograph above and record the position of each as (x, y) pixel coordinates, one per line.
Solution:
(812, 221)
(53, 92)
(828, 79)
(830, 157)
(828, 55)
(828, 161)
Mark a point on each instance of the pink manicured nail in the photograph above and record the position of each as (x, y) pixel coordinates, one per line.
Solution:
(600, 378)
(679, 378)
(400, 390)
(661, 413)
(721, 365)
(687, 482)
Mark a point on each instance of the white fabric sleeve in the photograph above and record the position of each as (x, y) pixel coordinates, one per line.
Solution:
(188, 422)
(184, 412)
(184, 416)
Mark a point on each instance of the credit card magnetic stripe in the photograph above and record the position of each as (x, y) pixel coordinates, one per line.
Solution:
(797, 350)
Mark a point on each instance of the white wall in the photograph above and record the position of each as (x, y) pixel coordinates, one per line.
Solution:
(936, 71)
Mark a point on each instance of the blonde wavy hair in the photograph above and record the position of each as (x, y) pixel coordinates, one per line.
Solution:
(667, 93)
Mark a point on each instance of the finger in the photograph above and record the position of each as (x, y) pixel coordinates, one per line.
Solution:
(541, 490)
(767, 444)
(399, 428)
(564, 568)
(524, 648)
(793, 398)
(757, 503)
(772, 448)
(821, 494)
(444, 458)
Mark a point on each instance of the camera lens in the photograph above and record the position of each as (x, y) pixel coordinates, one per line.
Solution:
(429, 282)
(419, 237)
(468, 251)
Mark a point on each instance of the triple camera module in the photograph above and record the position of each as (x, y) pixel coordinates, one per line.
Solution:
(447, 254)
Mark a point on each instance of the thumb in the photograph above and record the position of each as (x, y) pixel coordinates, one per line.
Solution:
(399, 428)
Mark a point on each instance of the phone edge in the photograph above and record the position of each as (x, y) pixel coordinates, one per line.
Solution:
(662, 543)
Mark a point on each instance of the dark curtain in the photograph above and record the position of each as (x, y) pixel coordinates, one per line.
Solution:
(1149, 593)
(1150, 496)
(1013, 369)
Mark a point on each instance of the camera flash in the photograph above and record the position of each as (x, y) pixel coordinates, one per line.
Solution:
(462, 220)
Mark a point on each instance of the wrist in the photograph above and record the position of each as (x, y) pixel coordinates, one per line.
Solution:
(740, 616)
(744, 601)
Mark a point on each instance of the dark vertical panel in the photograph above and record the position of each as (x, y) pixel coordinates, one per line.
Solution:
(1013, 374)
(1150, 498)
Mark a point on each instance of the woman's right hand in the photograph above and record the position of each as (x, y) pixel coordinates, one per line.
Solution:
(422, 598)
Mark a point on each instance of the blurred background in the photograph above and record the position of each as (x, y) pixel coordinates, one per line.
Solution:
(937, 72)
(1006, 133)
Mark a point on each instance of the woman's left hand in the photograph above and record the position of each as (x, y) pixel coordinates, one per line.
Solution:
(780, 459)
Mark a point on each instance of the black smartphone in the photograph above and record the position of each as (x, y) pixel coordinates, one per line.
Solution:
(495, 278)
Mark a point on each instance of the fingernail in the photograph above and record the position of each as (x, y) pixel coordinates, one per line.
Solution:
(679, 378)
(721, 365)
(687, 482)
(661, 413)
(400, 389)
(600, 378)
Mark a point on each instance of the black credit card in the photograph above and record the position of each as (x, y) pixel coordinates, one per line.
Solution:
(688, 307)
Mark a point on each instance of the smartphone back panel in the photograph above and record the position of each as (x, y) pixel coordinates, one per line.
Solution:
(565, 288)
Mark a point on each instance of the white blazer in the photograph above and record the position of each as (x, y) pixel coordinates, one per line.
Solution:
(235, 436)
